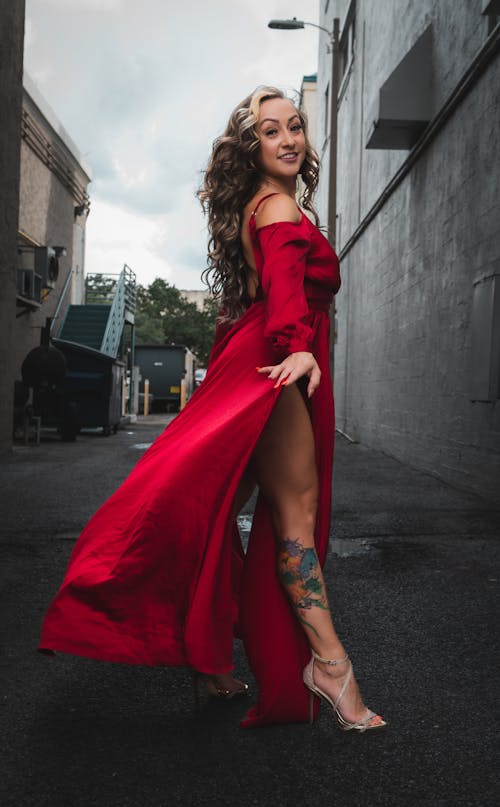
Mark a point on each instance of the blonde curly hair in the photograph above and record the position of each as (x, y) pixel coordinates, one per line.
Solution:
(231, 179)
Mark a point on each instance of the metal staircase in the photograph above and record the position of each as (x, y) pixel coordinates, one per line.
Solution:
(109, 305)
(85, 325)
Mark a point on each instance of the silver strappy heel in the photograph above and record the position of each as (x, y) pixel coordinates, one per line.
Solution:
(371, 721)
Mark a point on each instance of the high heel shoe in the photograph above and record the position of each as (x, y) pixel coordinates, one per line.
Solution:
(213, 686)
(371, 721)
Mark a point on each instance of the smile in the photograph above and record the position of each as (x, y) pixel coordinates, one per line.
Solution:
(289, 157)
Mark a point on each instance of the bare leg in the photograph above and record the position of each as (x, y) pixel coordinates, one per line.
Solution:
(284, 466)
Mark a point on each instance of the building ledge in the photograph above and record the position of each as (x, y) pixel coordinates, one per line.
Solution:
(38, 100)
(27, 304)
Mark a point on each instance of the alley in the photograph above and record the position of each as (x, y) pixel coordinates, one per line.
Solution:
(413, 575)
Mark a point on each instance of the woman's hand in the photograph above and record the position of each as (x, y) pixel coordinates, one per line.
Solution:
(292, 368)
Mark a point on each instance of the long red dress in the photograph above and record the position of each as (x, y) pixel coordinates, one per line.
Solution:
(155, 577)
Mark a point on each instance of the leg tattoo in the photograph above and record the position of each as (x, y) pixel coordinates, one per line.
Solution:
(300, 573)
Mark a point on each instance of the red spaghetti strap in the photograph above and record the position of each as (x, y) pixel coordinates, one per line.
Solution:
(262, 199)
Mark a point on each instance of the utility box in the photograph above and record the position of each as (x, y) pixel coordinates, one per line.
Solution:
(165, 366)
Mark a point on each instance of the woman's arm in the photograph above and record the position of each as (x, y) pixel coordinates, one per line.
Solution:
(284, 243)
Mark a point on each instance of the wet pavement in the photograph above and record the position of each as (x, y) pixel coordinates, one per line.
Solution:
(413, 576)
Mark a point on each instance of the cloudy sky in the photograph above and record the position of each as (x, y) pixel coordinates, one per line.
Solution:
(143, 88)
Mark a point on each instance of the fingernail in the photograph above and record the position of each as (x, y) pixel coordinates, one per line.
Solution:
(257, 368)
(283, 383)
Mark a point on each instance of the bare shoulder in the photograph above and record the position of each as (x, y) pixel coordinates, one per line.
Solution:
(278, 207)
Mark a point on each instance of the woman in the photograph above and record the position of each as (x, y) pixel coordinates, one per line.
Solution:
(156, 575)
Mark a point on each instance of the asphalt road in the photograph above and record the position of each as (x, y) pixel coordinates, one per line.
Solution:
(413, 578)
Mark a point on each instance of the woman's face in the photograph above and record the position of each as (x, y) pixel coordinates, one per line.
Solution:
(282, 140)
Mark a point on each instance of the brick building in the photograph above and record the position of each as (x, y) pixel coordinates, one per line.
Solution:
(417, 360)
(53, 208)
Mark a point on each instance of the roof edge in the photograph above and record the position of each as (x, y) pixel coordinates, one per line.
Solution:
(31, 89)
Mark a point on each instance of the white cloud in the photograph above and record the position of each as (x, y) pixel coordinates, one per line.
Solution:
(115, 237)
(168, 246)
(98, 5)
(143, 89)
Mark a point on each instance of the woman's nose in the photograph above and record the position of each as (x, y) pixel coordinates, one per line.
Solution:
(287, 138)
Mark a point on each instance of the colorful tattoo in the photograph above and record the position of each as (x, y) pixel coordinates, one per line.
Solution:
(300, 573)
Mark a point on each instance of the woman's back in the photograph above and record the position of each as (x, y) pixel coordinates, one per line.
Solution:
(267, 208)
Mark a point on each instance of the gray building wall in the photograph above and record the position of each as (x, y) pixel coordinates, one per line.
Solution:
(11, 68)
(414, 252)
(53, 206)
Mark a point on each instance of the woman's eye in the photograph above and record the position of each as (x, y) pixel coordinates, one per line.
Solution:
(296, 127)
(271, 132)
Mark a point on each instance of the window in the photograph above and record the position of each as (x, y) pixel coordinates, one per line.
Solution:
(346, 47)
(326, 110)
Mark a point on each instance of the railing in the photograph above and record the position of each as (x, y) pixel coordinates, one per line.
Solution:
(62, 295)
(122, 309)
(100, 289)
(130, 292)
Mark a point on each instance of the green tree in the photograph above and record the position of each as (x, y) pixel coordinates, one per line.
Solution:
(148, 330)
(163, 316)
(100, 288)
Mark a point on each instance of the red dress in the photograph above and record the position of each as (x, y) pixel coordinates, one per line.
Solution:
(157, 576)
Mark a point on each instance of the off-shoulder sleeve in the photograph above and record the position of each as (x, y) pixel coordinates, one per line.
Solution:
(284, 247)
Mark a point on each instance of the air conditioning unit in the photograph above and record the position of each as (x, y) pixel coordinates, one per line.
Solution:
(29, 285)
(47, 266)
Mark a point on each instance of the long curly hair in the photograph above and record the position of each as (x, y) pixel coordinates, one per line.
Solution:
(231, 179)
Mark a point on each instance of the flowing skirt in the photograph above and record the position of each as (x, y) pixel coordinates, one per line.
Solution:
(158, 576)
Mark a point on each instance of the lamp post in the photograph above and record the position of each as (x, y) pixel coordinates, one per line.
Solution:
(293, 24)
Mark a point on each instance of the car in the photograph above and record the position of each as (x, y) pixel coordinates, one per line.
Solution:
(199, 375)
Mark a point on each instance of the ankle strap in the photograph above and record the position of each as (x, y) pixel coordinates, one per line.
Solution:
(331, 662)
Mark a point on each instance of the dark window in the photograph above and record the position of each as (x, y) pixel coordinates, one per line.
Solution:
(347, 40)
(327, 108)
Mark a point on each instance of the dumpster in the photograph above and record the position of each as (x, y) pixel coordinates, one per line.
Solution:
(91, 390)
(165, 366)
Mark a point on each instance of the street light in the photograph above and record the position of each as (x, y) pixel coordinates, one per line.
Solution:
(286, 25)
(294, 24)
(291, 25)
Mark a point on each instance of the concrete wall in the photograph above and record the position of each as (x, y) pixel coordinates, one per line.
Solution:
(46, 216)
(11, 66)
(53, 182)
(403, 360)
